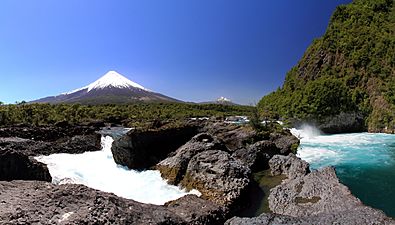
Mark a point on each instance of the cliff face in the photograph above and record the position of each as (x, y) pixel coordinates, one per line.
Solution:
(351, 69)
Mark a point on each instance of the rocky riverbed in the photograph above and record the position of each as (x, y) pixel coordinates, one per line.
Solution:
(217, 159)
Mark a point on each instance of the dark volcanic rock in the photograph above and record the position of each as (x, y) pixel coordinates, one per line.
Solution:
(195, 210)
(72, 145)
(265, 219)
(35, 202)
(48, 140)
(174, 167)
(256, 156)
(204, 163)
(17, 166)
(312, 198)
(322, 219)
(290, 165)
(218, 176)
(47, 133)
(285, 141)
(140, 149)
(232, 135)
(343, 123)
(315, 193)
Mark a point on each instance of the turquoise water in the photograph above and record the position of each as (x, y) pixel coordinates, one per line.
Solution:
(364, 162)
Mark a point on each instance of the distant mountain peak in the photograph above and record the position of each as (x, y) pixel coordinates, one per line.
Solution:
(111, 88)
(113, 79)
(223, 99)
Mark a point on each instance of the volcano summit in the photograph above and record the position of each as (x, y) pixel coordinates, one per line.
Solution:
(110, 88)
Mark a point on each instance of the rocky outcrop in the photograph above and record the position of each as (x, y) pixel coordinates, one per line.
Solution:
(218, 176)
(48, 133)
(275, 219)
(195, 210)
(34, 202)
(343, 123)
(141, 149)
(290, 165)
(312, 198)
(17, 166)
(19, 144)
(319, 192)
(256, 156)
(174, 167)
(232, 135)
(285, 142)
(204, 163)
(33, 141)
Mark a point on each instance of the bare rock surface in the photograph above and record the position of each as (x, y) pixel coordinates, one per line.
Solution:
(290, 165)
(285, 141)
(195, 210)
(15, 165)
(141, 149)
(174, 167)
(256, 156)
(312, 198)
(218, 176)
(322, 219)
(35, 202)
(34, 141)
(233, 136)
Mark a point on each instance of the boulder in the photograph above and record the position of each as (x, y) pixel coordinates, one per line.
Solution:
(289, 165)
(174, 167)
(141, 149)
(220, 178)
(17, 166)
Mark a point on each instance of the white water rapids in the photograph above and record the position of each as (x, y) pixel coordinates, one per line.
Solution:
(99, 171)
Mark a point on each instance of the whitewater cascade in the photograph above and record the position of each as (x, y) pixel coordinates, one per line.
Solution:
(99, 171)
(364, 162)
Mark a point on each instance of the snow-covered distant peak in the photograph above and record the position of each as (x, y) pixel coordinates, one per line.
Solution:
(223, 99)
(114, 79)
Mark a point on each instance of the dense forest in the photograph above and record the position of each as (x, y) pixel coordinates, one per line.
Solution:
(129, 115)
(350, 69)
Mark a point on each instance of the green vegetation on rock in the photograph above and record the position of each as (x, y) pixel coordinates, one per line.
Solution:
(350, 69)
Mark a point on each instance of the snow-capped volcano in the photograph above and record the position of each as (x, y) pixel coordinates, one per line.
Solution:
(223, 99)
(110, 88)
(113, 79)
(220, 101)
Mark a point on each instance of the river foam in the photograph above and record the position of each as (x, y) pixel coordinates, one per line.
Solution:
(99, 171)
(364, 162)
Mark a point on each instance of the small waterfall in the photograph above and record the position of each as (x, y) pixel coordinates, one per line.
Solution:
(99, 171)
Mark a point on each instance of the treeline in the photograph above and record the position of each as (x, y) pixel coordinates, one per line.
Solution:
(350, 68)
(46, 114)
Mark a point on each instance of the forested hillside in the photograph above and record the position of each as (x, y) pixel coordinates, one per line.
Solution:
(351, 69)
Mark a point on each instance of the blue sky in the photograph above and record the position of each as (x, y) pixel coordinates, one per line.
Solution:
(193, 50)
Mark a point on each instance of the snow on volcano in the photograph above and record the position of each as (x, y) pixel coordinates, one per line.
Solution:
(110, 88)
